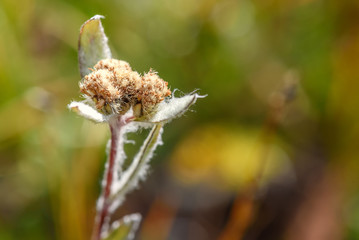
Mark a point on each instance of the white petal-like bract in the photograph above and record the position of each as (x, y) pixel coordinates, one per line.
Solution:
(87, 111)
(174, 107)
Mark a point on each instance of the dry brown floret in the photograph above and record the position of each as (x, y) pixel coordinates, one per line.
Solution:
(115, 88)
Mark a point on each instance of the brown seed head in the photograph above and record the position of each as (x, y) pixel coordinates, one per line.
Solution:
(115, 88)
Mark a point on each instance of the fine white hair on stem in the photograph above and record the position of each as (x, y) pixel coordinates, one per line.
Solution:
(122, 182)
(138, 168)
(131, 222)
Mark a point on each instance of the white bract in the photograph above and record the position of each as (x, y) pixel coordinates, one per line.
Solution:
(165, 112)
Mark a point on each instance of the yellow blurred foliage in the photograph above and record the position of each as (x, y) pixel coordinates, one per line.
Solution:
(226, 157)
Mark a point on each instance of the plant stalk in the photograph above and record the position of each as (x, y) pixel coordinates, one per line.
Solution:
(103, 211)
(140, 160)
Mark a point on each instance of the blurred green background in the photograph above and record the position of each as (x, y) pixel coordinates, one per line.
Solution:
(271, 153)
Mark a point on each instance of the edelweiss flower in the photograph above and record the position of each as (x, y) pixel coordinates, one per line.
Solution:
(113, 89)
(116, 94)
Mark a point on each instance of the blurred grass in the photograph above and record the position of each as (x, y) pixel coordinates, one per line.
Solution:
(237, 52)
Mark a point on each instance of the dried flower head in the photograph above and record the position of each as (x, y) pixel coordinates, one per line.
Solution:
(114, 88)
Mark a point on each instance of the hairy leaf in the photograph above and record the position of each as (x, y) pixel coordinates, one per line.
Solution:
(92, 44)
(125, 228)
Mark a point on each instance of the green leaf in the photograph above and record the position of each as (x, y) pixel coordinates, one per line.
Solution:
(92, 44)
(125, 228)
(138, 168)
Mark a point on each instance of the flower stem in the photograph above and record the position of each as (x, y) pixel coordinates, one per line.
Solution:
(104, 203)
(133, 174)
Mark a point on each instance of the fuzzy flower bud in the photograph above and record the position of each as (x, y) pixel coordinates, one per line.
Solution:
(115, 88)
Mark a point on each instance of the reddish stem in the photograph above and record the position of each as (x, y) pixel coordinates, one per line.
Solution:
(103, 212)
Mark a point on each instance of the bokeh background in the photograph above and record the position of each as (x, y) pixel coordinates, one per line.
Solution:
(271, 153)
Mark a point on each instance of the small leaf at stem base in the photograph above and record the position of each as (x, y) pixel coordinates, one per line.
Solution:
(125, 228)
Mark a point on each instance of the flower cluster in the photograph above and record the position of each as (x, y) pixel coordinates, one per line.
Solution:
(115, 88)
